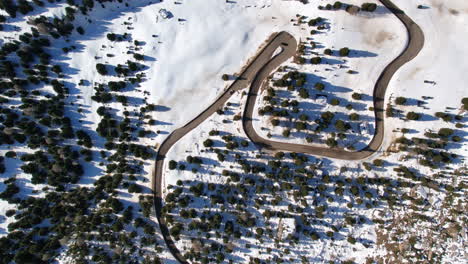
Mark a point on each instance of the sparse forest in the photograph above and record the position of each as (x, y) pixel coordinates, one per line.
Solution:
(93, 92)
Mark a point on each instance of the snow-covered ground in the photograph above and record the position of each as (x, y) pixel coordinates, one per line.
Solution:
(374, 39)
(385, 42)
(199, 134)
(441, 61)
(186, 54)
(211, 172)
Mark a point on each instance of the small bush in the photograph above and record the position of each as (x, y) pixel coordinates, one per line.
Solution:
(111, 36)
(316, 60)
(368, 7)
(138, 56)
(389, 112)
(10, 154)
(10, 213)
(465, 103)
(337, 5)
(319, 86)
(80, 30)
(300, 125)
(334, 101)
(331, 142)
(367, 166)
(444, 116)
(354, 116)
(304, 117)
(299, 60)
(378, 162)
(134, 188)
(101, 69)
(315, 21)
(413, 116)
(303, 93)
(172, 165)
(356, 96)
(208, 143)
(341, 126)
(400, 100)
(244, 143)
(344, 51)
(445, 132)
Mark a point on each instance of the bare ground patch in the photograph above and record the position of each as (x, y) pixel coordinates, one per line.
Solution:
(377, 39)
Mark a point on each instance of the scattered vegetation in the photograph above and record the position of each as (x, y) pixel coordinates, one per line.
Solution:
(369, 7)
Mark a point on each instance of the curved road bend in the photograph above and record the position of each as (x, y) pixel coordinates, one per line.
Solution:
(289, 46)
(414, 45)
(256, 72)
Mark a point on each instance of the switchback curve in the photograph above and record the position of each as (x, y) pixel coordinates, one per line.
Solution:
(255, 73)
(288, 46)
(414, 46)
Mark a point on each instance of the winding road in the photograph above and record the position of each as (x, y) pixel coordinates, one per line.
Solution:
(255, 74)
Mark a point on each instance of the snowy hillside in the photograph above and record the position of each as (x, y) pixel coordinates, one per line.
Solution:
(91, 89)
